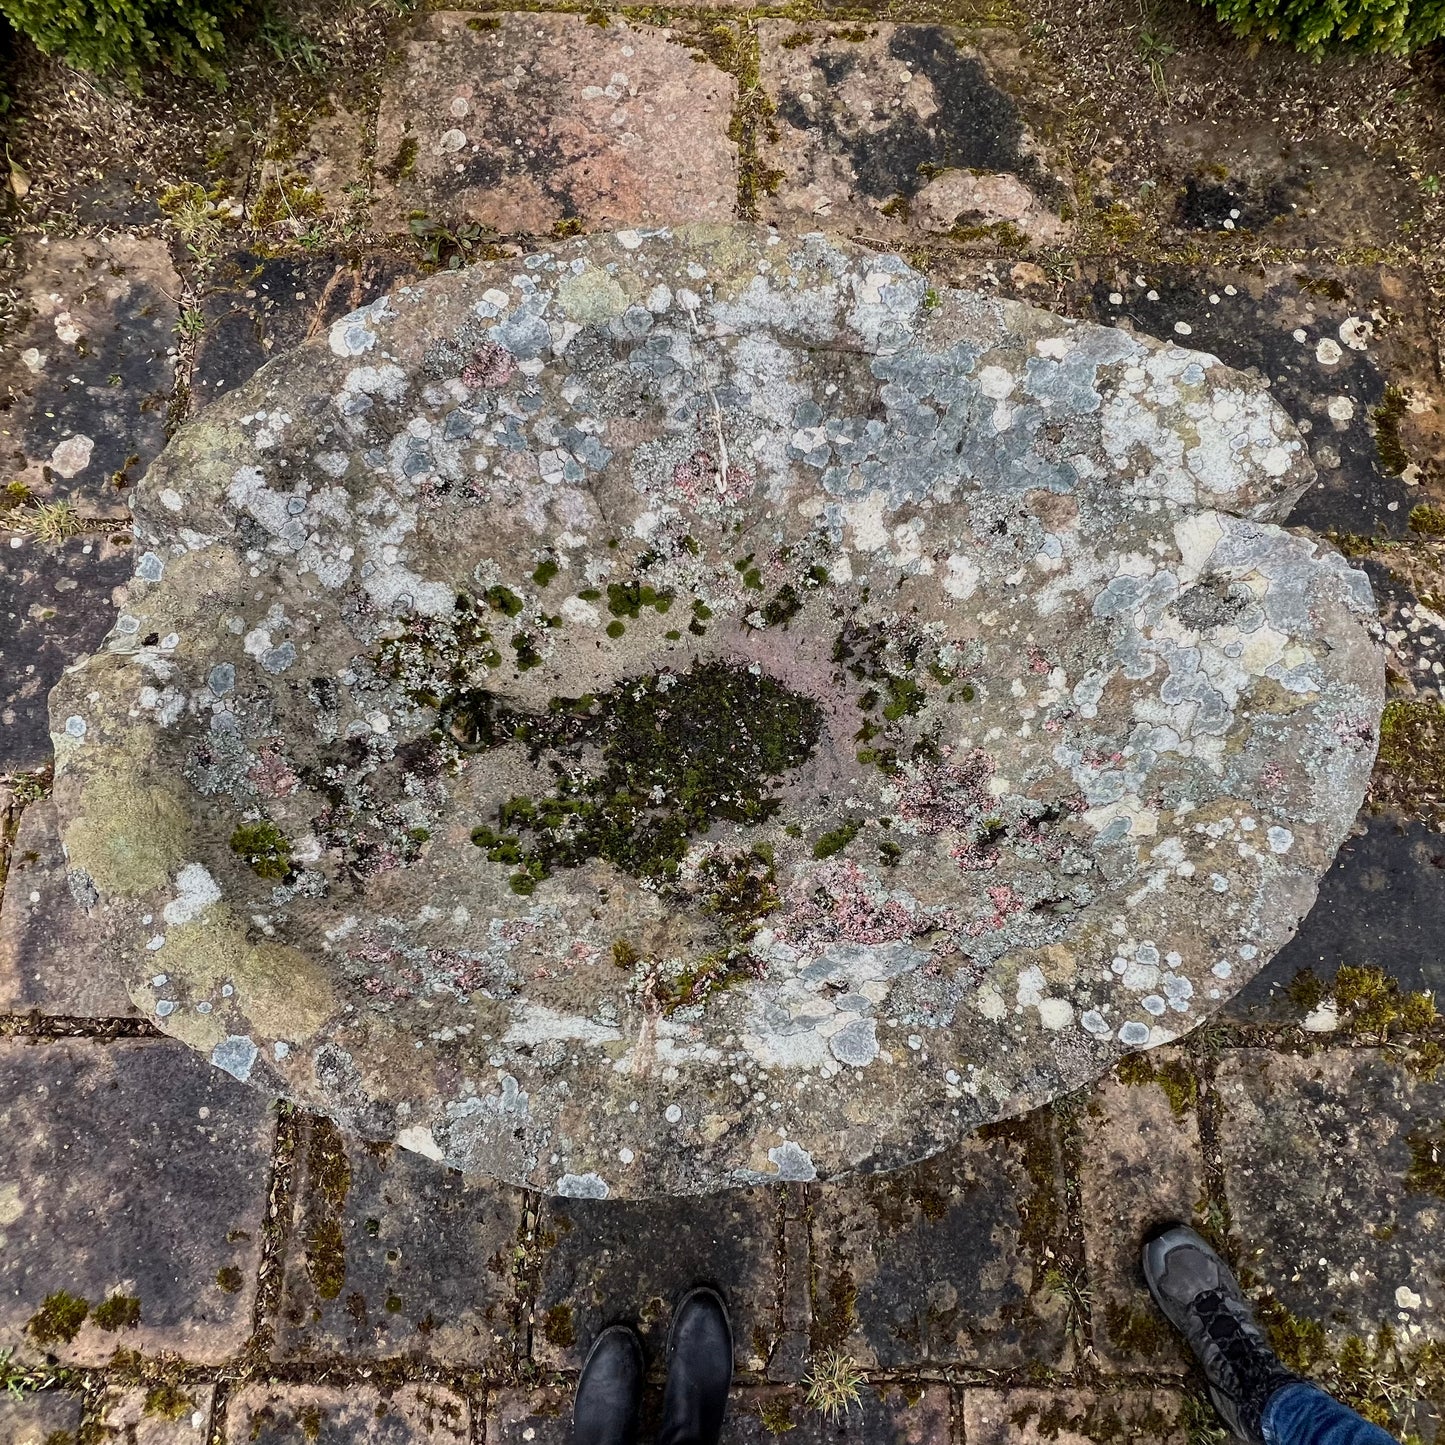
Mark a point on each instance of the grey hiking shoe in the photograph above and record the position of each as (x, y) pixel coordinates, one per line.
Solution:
(1195, 1289)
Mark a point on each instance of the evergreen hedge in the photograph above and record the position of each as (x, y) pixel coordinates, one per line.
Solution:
(1398, 26)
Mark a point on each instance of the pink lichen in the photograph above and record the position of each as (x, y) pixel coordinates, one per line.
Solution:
(491, 366)
(697, 477)
(843, 904)
(943, 795)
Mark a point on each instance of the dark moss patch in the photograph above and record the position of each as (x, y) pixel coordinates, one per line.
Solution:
(776, 1415)
(264, 848)
(1372, 1003)
(1412, 755)
(502, 599)
(1299, 1342)
(676, 755)
(1428, 520)
(324, 1242)
(1139, 1332)
(59, 1319)
(1180, 1086)
(559, 1326)
(627, 599)
(228, 1278)
(1387, 417)
(117, 1312)
(167, 1401)
(836, 839)
(1427, 1162)
(545, 572)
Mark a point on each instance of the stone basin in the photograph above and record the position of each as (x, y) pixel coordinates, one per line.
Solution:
(696, 707)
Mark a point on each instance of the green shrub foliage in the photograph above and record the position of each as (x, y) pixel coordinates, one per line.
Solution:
(1392, 25)
(123, 37)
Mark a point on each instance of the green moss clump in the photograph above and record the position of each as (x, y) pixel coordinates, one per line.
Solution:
(741, 890)
(502, 599)
(324, 1242)
(1427, 519)
(1180, 1086)
(704, 746)
(836, 839)
(264, 848)
(776, 1414)
(1371, 1002)
(1412, 750)
(1427, 1163)
(545, 572)
(559, 1327)
(1139, 1332)
(167, 1402)
(403, 163)
(567, 226)
(117, 1312)
(228, 1278)
(59, 1319)
(627, 599)
(1299, 1342)
(1387, 417)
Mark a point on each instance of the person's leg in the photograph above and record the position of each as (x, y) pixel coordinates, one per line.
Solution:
(1303, 1414)
(699, 1370)
(1257, 1397)
(609, 1390)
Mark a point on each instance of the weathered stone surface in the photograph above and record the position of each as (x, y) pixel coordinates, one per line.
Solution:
(55, 606)
(1140, 1167)
(392, 1255)
(1381, 905)
(721, 676)
(944, 1263)
(349, 1415)
(1072, 1417)
(89, 379)
(530, 1417)
(1335, 1182)
(135, 1184)
(257, 308)
(46, 961)
(521, 122)
(36, 1419)
(601, 1262)
(893, 129)
(1319, 338)
(155, 1415)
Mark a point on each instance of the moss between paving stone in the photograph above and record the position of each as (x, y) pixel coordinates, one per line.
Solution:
(1370, 1002)
(1427, 1161)
(1173, 1076)
(329, 1178)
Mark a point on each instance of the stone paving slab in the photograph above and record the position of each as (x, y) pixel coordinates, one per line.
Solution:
(524, 122)
(1381, 905)
(1333, 1168)
(604, 1260)
(943, 1263)
(1072, 1417)
(90, 376)
(346, 1415)
(1141, 1165)
(132, 1194)
(895, 129)
(45, 927)
(55, 607)
(37, 1419)
(1320, 337)
(155, 1415)
(258, 307)
(391, 1254)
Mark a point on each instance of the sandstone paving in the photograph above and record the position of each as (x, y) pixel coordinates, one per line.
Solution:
(46, 920)
(159, 1414)
(604, 1260)
(39, 1418)
(1071, 1416)
(945, 1263)
(133, 1196)
(1140, 1166)
(1333, 1175)
(90, 377)
(257, 307)
(346, 1415)
(55, 606)
(895, 129)
(526, 122)
(390, 1254)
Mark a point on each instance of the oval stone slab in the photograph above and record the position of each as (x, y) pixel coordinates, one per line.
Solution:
(692, 708)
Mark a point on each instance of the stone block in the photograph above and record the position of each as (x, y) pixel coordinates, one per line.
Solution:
(524, 122)
(1072, 1417)
(92, 373)
(163, 1414)
(257, 307)
(896, 129)
(44, 1418)
(943, 1263)
(1333, 1169)
(1317, 336)
(605, 1261)
(55, 606)
(133, 1194)
(530, 1417)
(1381, 905)
(46, 929)
(392, 1254)
(1140, 1166)
(347, 1415)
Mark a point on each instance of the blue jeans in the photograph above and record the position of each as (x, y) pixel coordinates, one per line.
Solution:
(1304, 1415)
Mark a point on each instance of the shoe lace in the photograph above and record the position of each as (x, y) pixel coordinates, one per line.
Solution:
(1240, 1352)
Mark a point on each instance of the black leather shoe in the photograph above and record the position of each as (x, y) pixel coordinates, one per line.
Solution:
(699, 1370)
(609, 1391)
